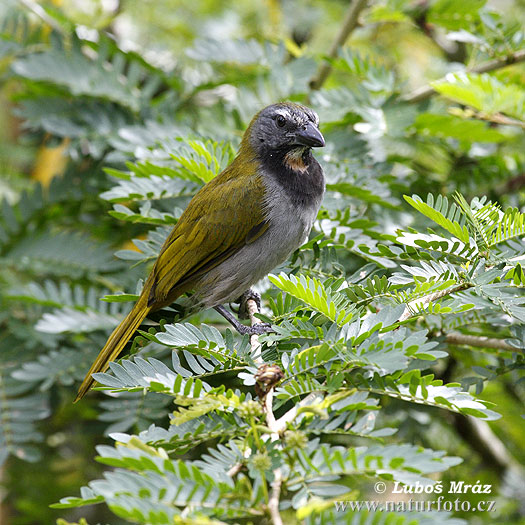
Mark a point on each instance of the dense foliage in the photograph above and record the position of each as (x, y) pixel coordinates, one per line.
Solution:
(399, 326)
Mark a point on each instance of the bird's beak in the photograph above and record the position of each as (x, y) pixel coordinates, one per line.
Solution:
(309, 135)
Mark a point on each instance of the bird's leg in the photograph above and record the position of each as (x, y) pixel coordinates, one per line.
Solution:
(258, 329)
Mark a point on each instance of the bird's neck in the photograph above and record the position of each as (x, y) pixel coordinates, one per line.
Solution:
(297, 172)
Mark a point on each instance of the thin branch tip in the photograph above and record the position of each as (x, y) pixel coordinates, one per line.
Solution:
(425, 92)
(350, 22)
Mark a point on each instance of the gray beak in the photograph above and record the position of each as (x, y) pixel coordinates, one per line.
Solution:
(309, 135)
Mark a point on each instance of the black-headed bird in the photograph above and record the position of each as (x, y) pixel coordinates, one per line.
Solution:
(238, 227)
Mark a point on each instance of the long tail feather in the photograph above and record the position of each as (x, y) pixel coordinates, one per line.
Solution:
(116, 342)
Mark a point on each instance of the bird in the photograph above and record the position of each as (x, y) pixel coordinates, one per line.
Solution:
(237, 228)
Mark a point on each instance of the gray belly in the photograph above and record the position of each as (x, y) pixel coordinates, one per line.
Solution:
(229, 280)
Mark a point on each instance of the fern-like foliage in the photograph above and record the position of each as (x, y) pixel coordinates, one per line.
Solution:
(141, 470)
(448, 217)
(80, 75)
(387, 323)
(333, 305)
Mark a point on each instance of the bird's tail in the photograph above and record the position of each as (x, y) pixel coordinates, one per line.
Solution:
(116, 342)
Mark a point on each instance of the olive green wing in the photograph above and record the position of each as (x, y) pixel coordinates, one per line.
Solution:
(223, 216)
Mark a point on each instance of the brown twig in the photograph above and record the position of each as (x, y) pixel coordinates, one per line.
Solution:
(412, 307)
(480, 437)
(499, 118)
(425, 92)
(456, 338)
(349, 24)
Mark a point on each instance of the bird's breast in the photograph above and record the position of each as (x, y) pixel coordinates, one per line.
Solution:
(290, 217)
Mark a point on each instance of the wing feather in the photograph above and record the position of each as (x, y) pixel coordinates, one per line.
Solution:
(209, 231)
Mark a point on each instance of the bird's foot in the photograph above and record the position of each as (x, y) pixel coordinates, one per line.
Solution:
(243, 303)
(256, 329)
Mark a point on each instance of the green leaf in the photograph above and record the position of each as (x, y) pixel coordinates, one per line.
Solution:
(451, 126)
(453, 15)
(440, 212)
(120, 298)
(312, 292)
(483, 92)
(82, 76)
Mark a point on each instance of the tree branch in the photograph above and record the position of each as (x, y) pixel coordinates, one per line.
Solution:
(425, 92)
(288, 417)
(234, 470)
(412, 306)
(456, 338)
(41, 13)
(349, 24)
(499, 118)
(480, 437)
(273, 503)
(270, 417)
(251, 306)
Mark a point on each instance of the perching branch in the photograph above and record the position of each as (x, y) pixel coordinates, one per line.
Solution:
(427, 91)
(349, 24)
(251, 306)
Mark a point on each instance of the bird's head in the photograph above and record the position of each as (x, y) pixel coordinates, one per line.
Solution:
(285, 131)
(285, 126)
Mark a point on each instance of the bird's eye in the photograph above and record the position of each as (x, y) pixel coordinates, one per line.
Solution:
(281, 121)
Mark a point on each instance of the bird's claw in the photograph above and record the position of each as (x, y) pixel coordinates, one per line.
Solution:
(243, 303)
(256, 329)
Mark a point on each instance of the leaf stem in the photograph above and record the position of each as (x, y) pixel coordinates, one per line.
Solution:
(259, 445)
(412, 306)
(426, 92)
(499, 118)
